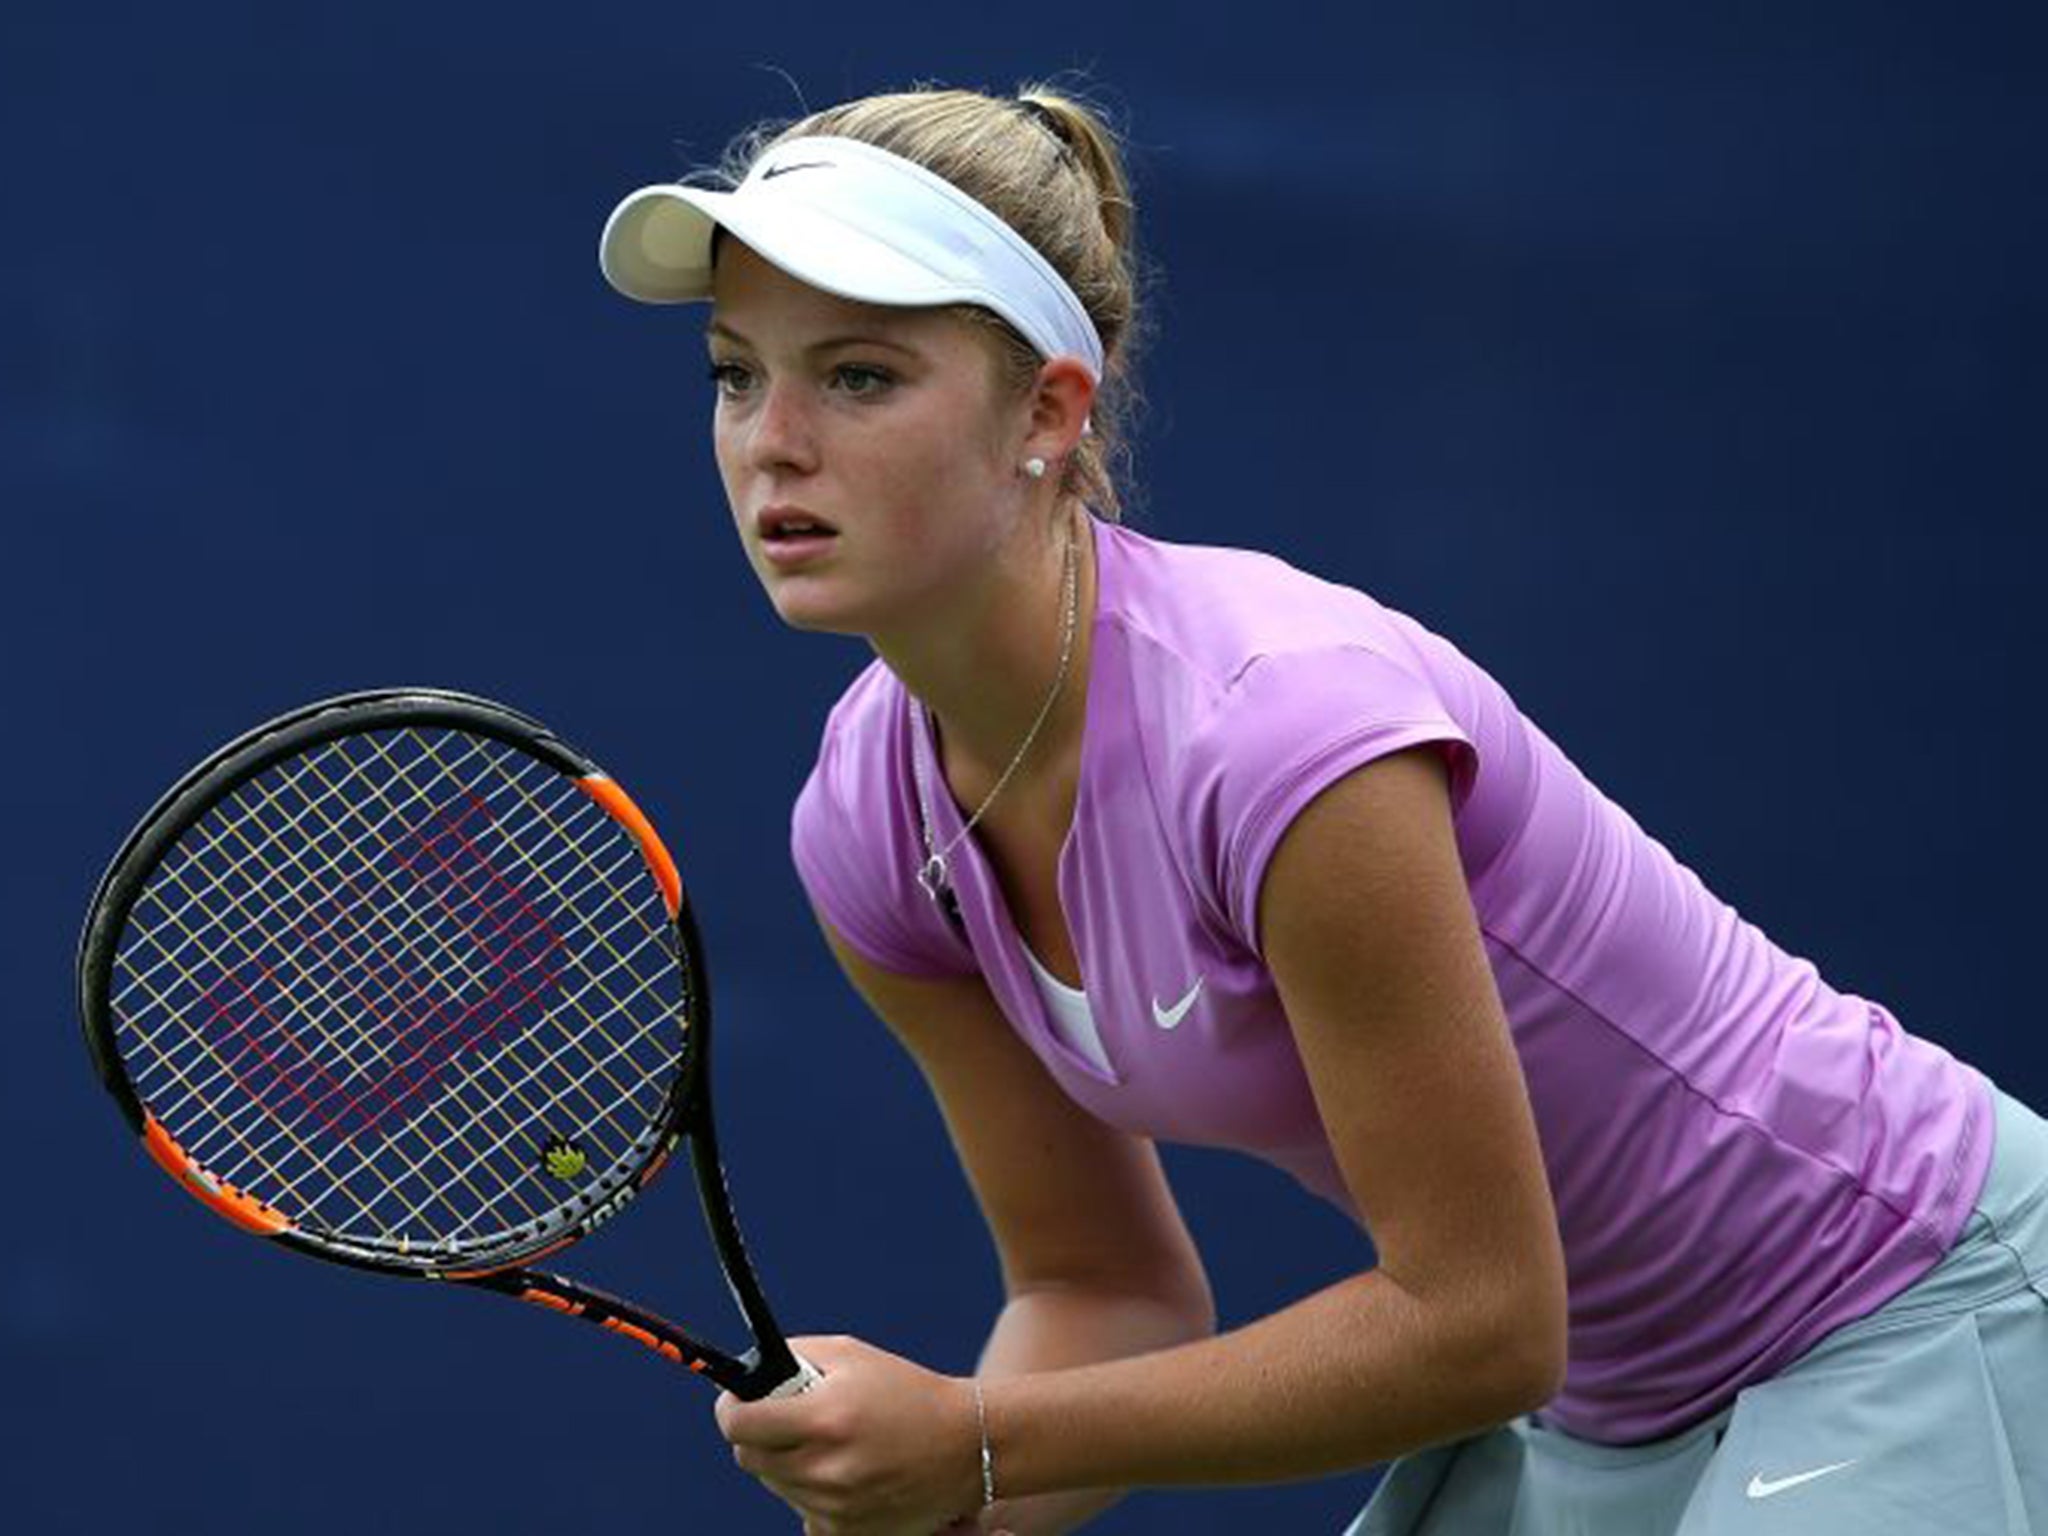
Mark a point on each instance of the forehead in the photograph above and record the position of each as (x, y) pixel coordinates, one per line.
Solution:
(754, 296)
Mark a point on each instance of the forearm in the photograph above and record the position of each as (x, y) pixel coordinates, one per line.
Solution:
(1356, 1374)
(1055, 1330)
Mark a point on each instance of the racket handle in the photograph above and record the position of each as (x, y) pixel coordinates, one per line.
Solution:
(807, 1376)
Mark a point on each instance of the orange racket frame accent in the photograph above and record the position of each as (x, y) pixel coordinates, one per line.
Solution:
(618, 805)
(246, 1212)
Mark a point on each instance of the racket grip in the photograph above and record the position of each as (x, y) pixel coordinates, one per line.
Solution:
(807, 1376)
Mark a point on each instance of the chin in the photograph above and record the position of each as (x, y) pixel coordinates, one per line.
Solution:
(814, 616)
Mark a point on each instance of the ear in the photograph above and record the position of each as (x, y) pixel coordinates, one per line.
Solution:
(1061, 399)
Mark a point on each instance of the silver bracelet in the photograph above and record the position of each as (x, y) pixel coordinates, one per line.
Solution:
(988, 1461)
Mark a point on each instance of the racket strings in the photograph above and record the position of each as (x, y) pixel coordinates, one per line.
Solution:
(446, 965)
(410, 946)
(251, 1109)
(623, 885)
(470, 972)
(230, 1112)
(268, 879)
(274, 899)
(223, 1123)
(607, 882)
(628, 862)
(607, 1110)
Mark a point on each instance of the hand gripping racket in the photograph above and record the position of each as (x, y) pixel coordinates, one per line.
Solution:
(403, 981)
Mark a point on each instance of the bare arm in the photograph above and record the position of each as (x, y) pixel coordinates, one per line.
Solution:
(1097, 1264)
(1366, 923)
(1367, 926)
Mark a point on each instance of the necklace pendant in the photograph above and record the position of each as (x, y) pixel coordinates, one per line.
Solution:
(932, 876)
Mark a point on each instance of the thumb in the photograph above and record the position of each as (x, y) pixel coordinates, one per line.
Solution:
(828, 1351)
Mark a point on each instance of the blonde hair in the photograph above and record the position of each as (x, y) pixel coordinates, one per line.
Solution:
(1049, 167)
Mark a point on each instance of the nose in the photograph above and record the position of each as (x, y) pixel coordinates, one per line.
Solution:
(782, 434)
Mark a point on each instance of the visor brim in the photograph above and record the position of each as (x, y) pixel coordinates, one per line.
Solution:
(657, 247)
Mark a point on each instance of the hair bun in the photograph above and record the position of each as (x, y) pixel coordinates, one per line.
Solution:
(1048, 119)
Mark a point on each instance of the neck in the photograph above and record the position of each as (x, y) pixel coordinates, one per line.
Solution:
(986, 669)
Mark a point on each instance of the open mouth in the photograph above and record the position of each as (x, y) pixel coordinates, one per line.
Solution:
(789, 527)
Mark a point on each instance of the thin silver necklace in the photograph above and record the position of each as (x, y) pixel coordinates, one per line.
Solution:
(935, 874)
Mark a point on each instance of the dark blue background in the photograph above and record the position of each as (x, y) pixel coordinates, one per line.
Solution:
(1683, 364)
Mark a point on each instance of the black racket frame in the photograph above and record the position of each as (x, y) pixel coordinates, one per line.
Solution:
(687, 1116)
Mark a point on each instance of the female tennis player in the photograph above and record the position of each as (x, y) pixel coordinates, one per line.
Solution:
(1128, 841)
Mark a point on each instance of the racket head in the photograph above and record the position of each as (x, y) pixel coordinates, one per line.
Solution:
(402, 980)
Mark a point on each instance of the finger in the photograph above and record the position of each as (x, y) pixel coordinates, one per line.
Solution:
(826, 1350)
(725, 1404)
(771, 1424)
(779, 1489)
(780, 1473)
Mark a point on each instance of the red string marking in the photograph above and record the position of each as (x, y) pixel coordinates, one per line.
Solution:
(418, 1023)
(251, 1042)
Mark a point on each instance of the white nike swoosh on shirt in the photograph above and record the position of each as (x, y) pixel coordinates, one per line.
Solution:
(1168, 1018)
(1761, 1487)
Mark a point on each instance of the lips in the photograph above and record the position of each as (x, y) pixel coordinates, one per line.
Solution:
(777, 525)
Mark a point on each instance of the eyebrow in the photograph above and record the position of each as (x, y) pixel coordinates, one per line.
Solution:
(829, 344)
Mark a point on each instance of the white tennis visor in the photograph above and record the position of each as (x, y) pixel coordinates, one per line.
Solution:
(855, 221)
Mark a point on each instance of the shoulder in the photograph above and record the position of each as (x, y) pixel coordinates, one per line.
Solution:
(873, 704)
(1261, 685)
(863, 755)
(855, 835)
(865, 735)
(1213, 609)
(1244, 638)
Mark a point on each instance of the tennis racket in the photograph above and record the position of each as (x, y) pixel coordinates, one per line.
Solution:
(403, 981)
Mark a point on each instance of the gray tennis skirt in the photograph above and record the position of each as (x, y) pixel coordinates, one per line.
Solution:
(1928, 1416)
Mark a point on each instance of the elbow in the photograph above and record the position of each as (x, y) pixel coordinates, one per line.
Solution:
(1529, 1353)
(1191, 1299)
(1531, 1315)
(1505, 1348)
(1535, 1369)
(1185, 1305)
(1182, 1294)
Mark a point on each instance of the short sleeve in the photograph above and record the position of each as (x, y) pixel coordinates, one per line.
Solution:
(854, 839)
(1287, 728)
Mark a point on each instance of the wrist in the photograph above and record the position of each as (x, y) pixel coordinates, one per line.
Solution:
(987, 1462)
(963, 1449)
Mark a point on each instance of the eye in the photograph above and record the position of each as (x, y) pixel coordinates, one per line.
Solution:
(732, 380)
(862, 380)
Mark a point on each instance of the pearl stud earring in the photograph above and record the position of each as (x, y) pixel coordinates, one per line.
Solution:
(1035, 468)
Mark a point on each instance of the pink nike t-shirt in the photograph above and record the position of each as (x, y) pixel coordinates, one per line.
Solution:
(1742, 1157)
